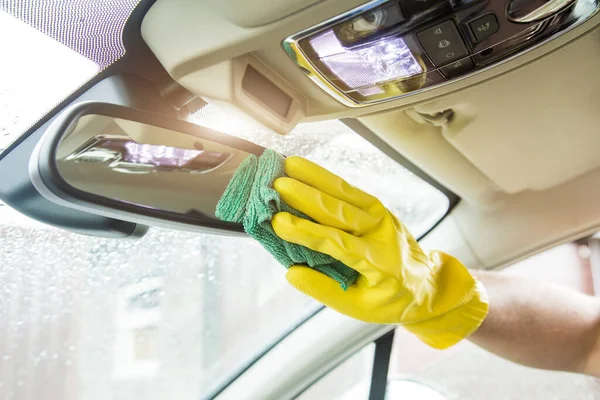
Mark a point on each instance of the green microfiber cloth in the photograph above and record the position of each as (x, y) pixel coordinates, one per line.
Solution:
(251, 200)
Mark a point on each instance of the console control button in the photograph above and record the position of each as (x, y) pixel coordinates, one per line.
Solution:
(484, 26)
(443, 43)
(457, 67)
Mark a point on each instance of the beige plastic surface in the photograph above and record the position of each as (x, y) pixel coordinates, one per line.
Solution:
(536, 127)
(529, 222)
(425, 146)
(258, 12)
(188, 36)
(222, 84)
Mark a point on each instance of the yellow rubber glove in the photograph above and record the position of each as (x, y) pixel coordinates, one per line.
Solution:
(432, 295)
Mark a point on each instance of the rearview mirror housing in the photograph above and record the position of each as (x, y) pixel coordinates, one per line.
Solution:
(137, 166)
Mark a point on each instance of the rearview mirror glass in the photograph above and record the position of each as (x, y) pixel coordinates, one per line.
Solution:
(137, 166)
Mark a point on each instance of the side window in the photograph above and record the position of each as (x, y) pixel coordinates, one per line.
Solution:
(348, 381)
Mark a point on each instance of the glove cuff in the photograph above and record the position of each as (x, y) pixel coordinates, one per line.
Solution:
(458, 307)
(448, 329)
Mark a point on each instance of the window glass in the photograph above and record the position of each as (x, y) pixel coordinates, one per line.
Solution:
(348, 381)
(22, 102)
(173, 311)
(170, 315)
(49, 49)
(341, 150)
(173, 314)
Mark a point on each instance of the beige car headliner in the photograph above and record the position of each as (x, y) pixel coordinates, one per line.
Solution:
(523, 151)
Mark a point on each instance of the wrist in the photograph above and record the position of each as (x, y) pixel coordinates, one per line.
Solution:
(456, 307)
(446, 330)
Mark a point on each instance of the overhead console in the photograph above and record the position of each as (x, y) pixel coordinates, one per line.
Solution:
(388, 49)
(347, 58)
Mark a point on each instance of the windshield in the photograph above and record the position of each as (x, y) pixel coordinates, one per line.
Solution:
(341, 150)
(33, 81)
(174, 314)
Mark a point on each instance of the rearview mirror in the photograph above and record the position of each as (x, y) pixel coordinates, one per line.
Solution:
(137, 166)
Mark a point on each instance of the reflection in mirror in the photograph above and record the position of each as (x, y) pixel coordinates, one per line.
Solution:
(146, 165)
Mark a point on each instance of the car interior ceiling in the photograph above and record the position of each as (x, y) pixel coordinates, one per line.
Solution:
(519, 150)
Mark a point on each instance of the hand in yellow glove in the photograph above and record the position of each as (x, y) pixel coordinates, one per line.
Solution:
(431, 294)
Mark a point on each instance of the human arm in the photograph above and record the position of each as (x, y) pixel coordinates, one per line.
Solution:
(540, 324)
